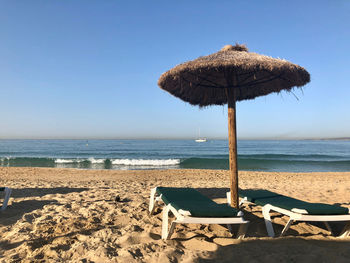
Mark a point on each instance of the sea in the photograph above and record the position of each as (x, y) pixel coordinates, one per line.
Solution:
(253, 155)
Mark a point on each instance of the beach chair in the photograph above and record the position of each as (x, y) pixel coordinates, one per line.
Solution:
(295, 209)
(191, 207)
(7, 193)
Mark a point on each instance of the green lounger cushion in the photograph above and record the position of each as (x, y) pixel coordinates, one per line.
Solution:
(191, 200)
(252, 194)
(264, 197)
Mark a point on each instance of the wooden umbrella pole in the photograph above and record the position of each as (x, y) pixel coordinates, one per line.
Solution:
(232, 139)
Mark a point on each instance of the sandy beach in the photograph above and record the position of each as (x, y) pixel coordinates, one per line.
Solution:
(71, 215)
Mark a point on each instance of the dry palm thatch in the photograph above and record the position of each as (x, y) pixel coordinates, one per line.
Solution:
(204, 81)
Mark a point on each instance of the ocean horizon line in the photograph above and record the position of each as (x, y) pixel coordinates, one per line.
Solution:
(185, 138)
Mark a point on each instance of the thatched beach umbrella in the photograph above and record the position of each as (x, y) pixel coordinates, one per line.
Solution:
(230, 75)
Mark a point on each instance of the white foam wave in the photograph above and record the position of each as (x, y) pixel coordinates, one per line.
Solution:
(93, 160)
(123, 162)
(68, 160)
(145, 162)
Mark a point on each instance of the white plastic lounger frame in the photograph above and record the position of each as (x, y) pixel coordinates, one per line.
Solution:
(184, 217)
(297, 215)
(7, 194)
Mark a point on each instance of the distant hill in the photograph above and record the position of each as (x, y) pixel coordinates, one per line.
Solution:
(337, 139)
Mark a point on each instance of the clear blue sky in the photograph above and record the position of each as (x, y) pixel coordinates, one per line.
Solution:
(89, 69)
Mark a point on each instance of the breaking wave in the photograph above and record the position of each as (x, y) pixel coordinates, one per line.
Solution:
(260, 162)
(101, 163)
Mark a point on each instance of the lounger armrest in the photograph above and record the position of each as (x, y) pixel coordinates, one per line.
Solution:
(243, 200)
(184, 212)
(299, 211)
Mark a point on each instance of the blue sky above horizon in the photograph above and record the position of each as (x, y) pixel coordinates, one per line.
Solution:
(89, 69)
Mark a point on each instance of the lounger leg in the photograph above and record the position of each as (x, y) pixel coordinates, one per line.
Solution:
(152, 200)
(228, 198)
(266, 213)
(242, 231)
(287, 226)
(229, 227)
(6, 198)
(166, 211)
(346, 231)
(328, 227)
(171, 230)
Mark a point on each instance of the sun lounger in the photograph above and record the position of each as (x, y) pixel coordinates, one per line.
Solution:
(191, 207)
(295, 209)
(7, 193)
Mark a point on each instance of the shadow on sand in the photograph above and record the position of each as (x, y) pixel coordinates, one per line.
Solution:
(31, 192)
(287, 249)
(41, 241)
(17, 209)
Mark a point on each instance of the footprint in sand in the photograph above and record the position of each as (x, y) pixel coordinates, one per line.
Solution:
(128, 240)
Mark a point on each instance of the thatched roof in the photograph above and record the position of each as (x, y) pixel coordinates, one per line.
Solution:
(203, 81)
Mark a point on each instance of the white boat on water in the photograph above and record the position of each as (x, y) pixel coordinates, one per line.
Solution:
(199, 139)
